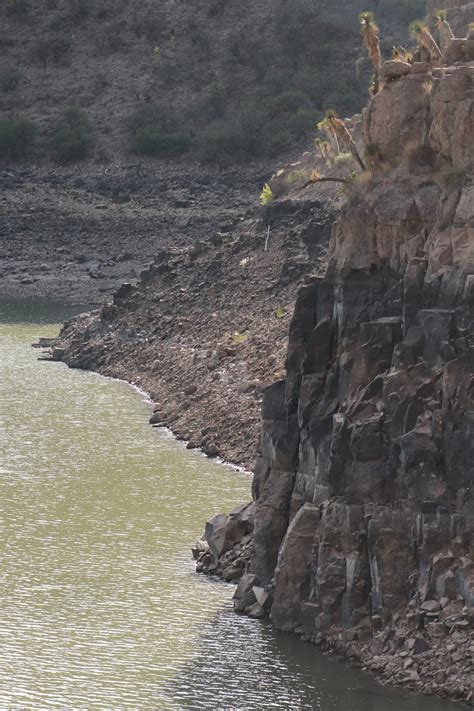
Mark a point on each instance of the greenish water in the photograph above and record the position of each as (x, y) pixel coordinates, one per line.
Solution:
(100, 606)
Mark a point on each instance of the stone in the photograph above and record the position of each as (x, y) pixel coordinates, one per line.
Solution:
(261, 595)
(394, 69)
(211, 449)
(190, 390)
(199, 548)
(431, 606)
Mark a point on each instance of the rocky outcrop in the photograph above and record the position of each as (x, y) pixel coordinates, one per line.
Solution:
(364, 527)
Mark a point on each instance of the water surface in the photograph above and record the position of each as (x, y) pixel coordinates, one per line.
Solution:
(100, 606)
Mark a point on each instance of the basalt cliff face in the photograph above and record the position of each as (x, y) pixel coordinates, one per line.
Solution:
(364, 515)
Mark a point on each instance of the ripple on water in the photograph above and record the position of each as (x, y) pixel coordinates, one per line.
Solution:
(100, 605)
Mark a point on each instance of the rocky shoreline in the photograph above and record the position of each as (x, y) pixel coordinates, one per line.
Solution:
(205, 329)
(428, 649)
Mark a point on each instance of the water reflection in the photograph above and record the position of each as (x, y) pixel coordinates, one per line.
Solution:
(37, 311)
(244, 664)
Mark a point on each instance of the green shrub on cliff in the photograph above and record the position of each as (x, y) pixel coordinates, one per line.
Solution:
(266, 196)
(16, 138)
(71, 138)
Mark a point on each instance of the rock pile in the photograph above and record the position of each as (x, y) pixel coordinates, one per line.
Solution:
(227, 544)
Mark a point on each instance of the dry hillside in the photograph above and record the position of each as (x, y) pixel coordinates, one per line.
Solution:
(236, 80)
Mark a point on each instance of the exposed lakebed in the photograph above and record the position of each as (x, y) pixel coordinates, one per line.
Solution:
(100, 606)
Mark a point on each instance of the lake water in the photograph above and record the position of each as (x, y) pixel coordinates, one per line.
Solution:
(100, 605)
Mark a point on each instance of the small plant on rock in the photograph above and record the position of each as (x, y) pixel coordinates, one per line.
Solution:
(238, 337)
(453, 178)
(266, 196)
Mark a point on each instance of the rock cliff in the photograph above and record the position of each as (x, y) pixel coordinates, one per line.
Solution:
(361, 533)
(364, 479)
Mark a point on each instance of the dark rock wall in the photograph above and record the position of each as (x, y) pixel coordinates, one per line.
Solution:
(365, 503)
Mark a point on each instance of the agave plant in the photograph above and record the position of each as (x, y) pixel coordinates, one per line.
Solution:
(371, 39)
(424, 38)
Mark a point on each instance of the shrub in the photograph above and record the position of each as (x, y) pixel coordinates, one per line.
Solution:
(71, 138)
(152, 114)
(152, 142)
(52, 48)
(296, 176)
(217, 8)
(290, 100)
(453, 178)
(215, 102)
(154, 132)
(266, 196)
(149, 24)
(17, 8)
(203, 42)
(110, 38)
(16, 138)
(9, 80)
(221, 143)
(343, 160)
(79, 10)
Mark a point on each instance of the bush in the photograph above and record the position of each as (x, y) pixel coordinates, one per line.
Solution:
(151, 115)
(149, 24)
(290, 101)
(16, 138)
(52, 48)
(453, 178)
(152, 142)
(17, 8)
(221, 143)
(79, 10)
(154, 132)
(9, 80)
(71, 138)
